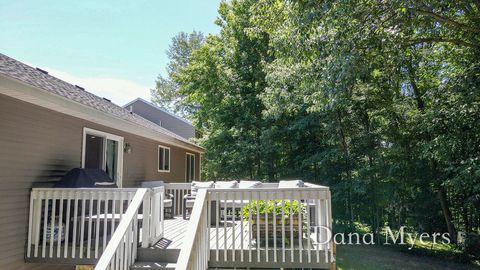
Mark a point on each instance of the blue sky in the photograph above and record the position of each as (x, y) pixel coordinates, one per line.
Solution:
(114, 49)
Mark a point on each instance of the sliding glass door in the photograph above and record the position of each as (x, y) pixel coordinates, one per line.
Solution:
(103, 151)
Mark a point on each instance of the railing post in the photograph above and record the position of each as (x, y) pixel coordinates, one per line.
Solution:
(162, 211)
(146, 219)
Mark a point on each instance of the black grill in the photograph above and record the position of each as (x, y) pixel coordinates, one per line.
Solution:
(85, 178)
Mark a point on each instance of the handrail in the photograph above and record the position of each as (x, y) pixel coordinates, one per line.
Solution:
(121, 246)
(195, 251)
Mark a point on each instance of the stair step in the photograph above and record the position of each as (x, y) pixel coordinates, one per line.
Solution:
(153, 266)
(157, 255)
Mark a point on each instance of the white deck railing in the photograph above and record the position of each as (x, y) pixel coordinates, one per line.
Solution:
(195, 252)
(72, 222)
(77, 223)
(121, 250)
(297, 233)
(225, 228)
(178, 190)
(296, 228)
(156, 218)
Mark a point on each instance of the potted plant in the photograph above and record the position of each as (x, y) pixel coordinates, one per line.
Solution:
(264, 214)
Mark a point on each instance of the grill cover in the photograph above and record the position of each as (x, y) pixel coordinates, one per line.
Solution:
(85, 178)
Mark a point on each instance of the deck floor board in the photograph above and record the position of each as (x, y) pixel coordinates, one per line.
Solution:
(175, 230)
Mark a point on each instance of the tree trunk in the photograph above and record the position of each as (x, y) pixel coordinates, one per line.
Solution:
(447, 214)
(346, 152)
(442, 194)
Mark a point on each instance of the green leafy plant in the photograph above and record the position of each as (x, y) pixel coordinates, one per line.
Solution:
(273, 208)
(285, 212)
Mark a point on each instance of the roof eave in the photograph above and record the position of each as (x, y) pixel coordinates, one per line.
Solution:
(40, 97)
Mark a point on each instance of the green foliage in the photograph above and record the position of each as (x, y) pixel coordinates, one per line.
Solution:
(277, 208)
(166, 93)
(380, 100)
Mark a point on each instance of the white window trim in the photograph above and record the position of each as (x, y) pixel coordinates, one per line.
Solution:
(186, 166)
(169, 158)
(119, 139)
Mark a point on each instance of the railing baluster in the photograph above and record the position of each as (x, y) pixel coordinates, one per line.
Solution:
(128, 237)
(221, 201)
(114, 211)
(266, 228)
(90, 220)
(30, 225)
(274, 214)
(292, 239)
(309, 232)
(67, 225)
(146, 223)
(329, 223)
(162, 212)
(324, 223)
(37, 222)
(233, 223)
(45, 224)
(60, 225)
(241, 225)
(283, 226)
(105, 219)
(52, 225)
(258, 226)
(209, 218)
(97, 224)
(75, 220)
(250, 226)
(82, 230)
(300, 232)
(217, 218)
(135, 237)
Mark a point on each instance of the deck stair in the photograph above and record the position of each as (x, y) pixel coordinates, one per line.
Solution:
(153, 266)
(156, 258)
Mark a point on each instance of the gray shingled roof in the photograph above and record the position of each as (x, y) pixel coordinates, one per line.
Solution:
(27, 74)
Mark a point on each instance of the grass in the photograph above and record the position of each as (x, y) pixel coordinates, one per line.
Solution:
(364, 257)
(424, 254)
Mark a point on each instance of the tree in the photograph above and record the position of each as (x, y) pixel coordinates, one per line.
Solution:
(166, 93)
(379, 100)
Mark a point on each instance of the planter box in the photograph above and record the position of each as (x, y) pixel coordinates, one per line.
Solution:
(260, 224)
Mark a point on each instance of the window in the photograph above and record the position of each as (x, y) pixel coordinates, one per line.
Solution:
(190, 167)
(163, 159)
(103, 151)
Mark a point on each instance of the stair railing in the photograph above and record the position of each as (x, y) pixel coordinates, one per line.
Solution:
(195, 252)
(121, 251)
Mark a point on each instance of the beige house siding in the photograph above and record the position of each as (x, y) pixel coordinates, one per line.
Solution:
(39, 145)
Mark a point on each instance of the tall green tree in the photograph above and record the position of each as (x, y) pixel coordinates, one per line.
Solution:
(379, 100)
(166, 93)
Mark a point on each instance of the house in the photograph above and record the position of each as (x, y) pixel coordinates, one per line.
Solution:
(161, 117)
(49, 126)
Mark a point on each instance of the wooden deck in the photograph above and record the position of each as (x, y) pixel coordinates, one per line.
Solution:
(244, 253)
(174, 233)
(176, 228)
